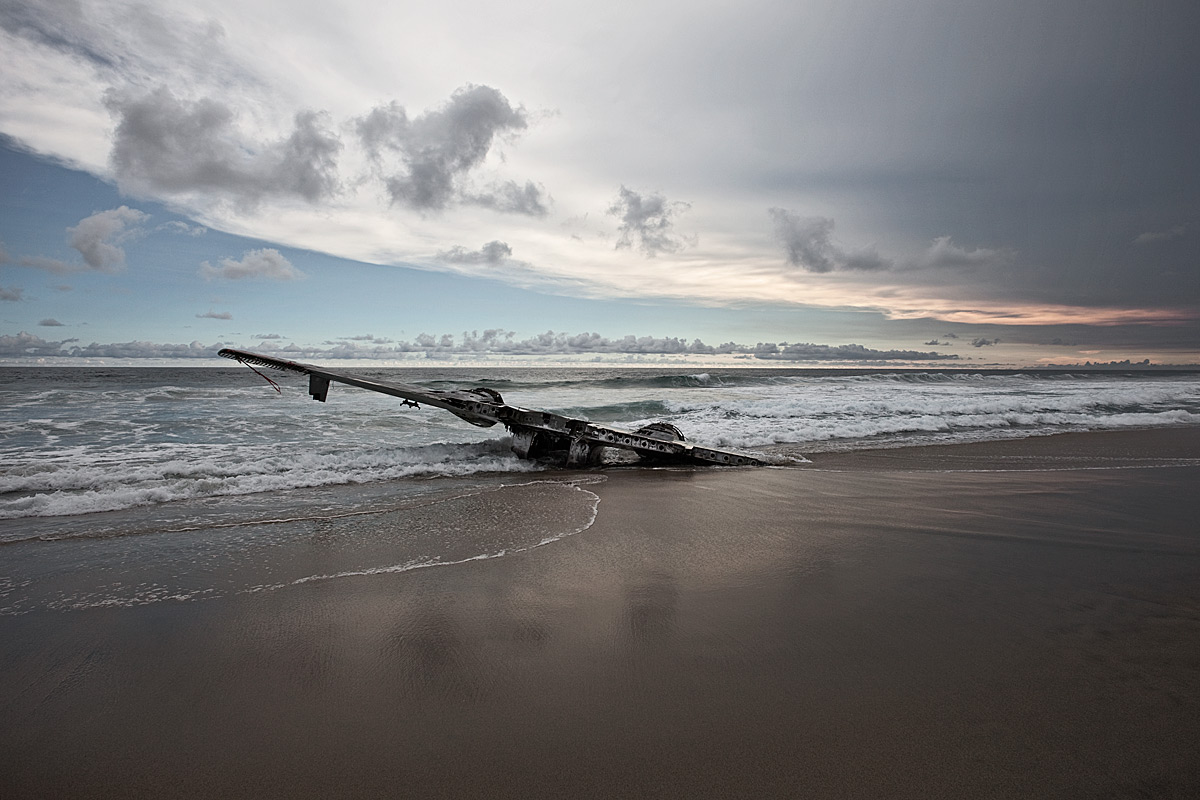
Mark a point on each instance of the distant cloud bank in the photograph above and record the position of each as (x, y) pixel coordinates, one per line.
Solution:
(493, 342)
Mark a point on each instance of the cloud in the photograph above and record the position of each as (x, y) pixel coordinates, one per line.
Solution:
(265, 263)
(119, 37)
(267, 336)
(512, 198)
(981, 342)
(210, 314)
(50, 264)
(98, 237)
(808, 242)
(177, 226)
(27, 345)
(425, 161)
(367, 337)
(1154, 237)
(494, 341)
(11, 294)
(945, 254)
(50, 322)
(845, 352)
(648, 222)
(164, 144)
(493, 252)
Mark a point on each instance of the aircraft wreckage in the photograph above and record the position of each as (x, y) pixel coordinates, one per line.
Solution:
(534, 433)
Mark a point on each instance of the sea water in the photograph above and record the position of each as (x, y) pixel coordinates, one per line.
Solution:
(80, 440)
(127, 473)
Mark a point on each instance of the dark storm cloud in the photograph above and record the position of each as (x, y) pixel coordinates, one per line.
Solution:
(648, 222)
(808, 243)
(165, 144)
(494, 252)
(425, 161)
(1044, 137)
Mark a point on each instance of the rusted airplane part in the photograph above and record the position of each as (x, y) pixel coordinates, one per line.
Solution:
(534, 433)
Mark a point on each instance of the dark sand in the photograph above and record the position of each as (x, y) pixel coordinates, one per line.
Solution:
(891, 624)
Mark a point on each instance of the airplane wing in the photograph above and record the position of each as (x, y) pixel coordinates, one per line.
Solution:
(534, 432)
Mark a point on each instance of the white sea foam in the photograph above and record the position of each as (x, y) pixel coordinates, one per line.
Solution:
(107, 485)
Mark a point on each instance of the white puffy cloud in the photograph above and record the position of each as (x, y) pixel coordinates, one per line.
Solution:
(98, 238)
(210, 314)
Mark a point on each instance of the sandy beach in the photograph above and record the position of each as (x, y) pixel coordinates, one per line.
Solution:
(1015, 619)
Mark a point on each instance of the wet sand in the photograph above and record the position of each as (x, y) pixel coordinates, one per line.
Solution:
(1018, 619)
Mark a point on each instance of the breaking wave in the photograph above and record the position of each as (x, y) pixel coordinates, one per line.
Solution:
(81, 441)
(109, 484)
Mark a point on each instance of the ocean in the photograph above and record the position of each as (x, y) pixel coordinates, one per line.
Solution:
(117, 472)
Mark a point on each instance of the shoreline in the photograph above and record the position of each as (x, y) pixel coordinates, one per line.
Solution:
(1075, 449)
(882, 623)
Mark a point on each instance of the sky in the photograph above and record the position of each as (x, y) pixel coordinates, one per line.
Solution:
(857, 182)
